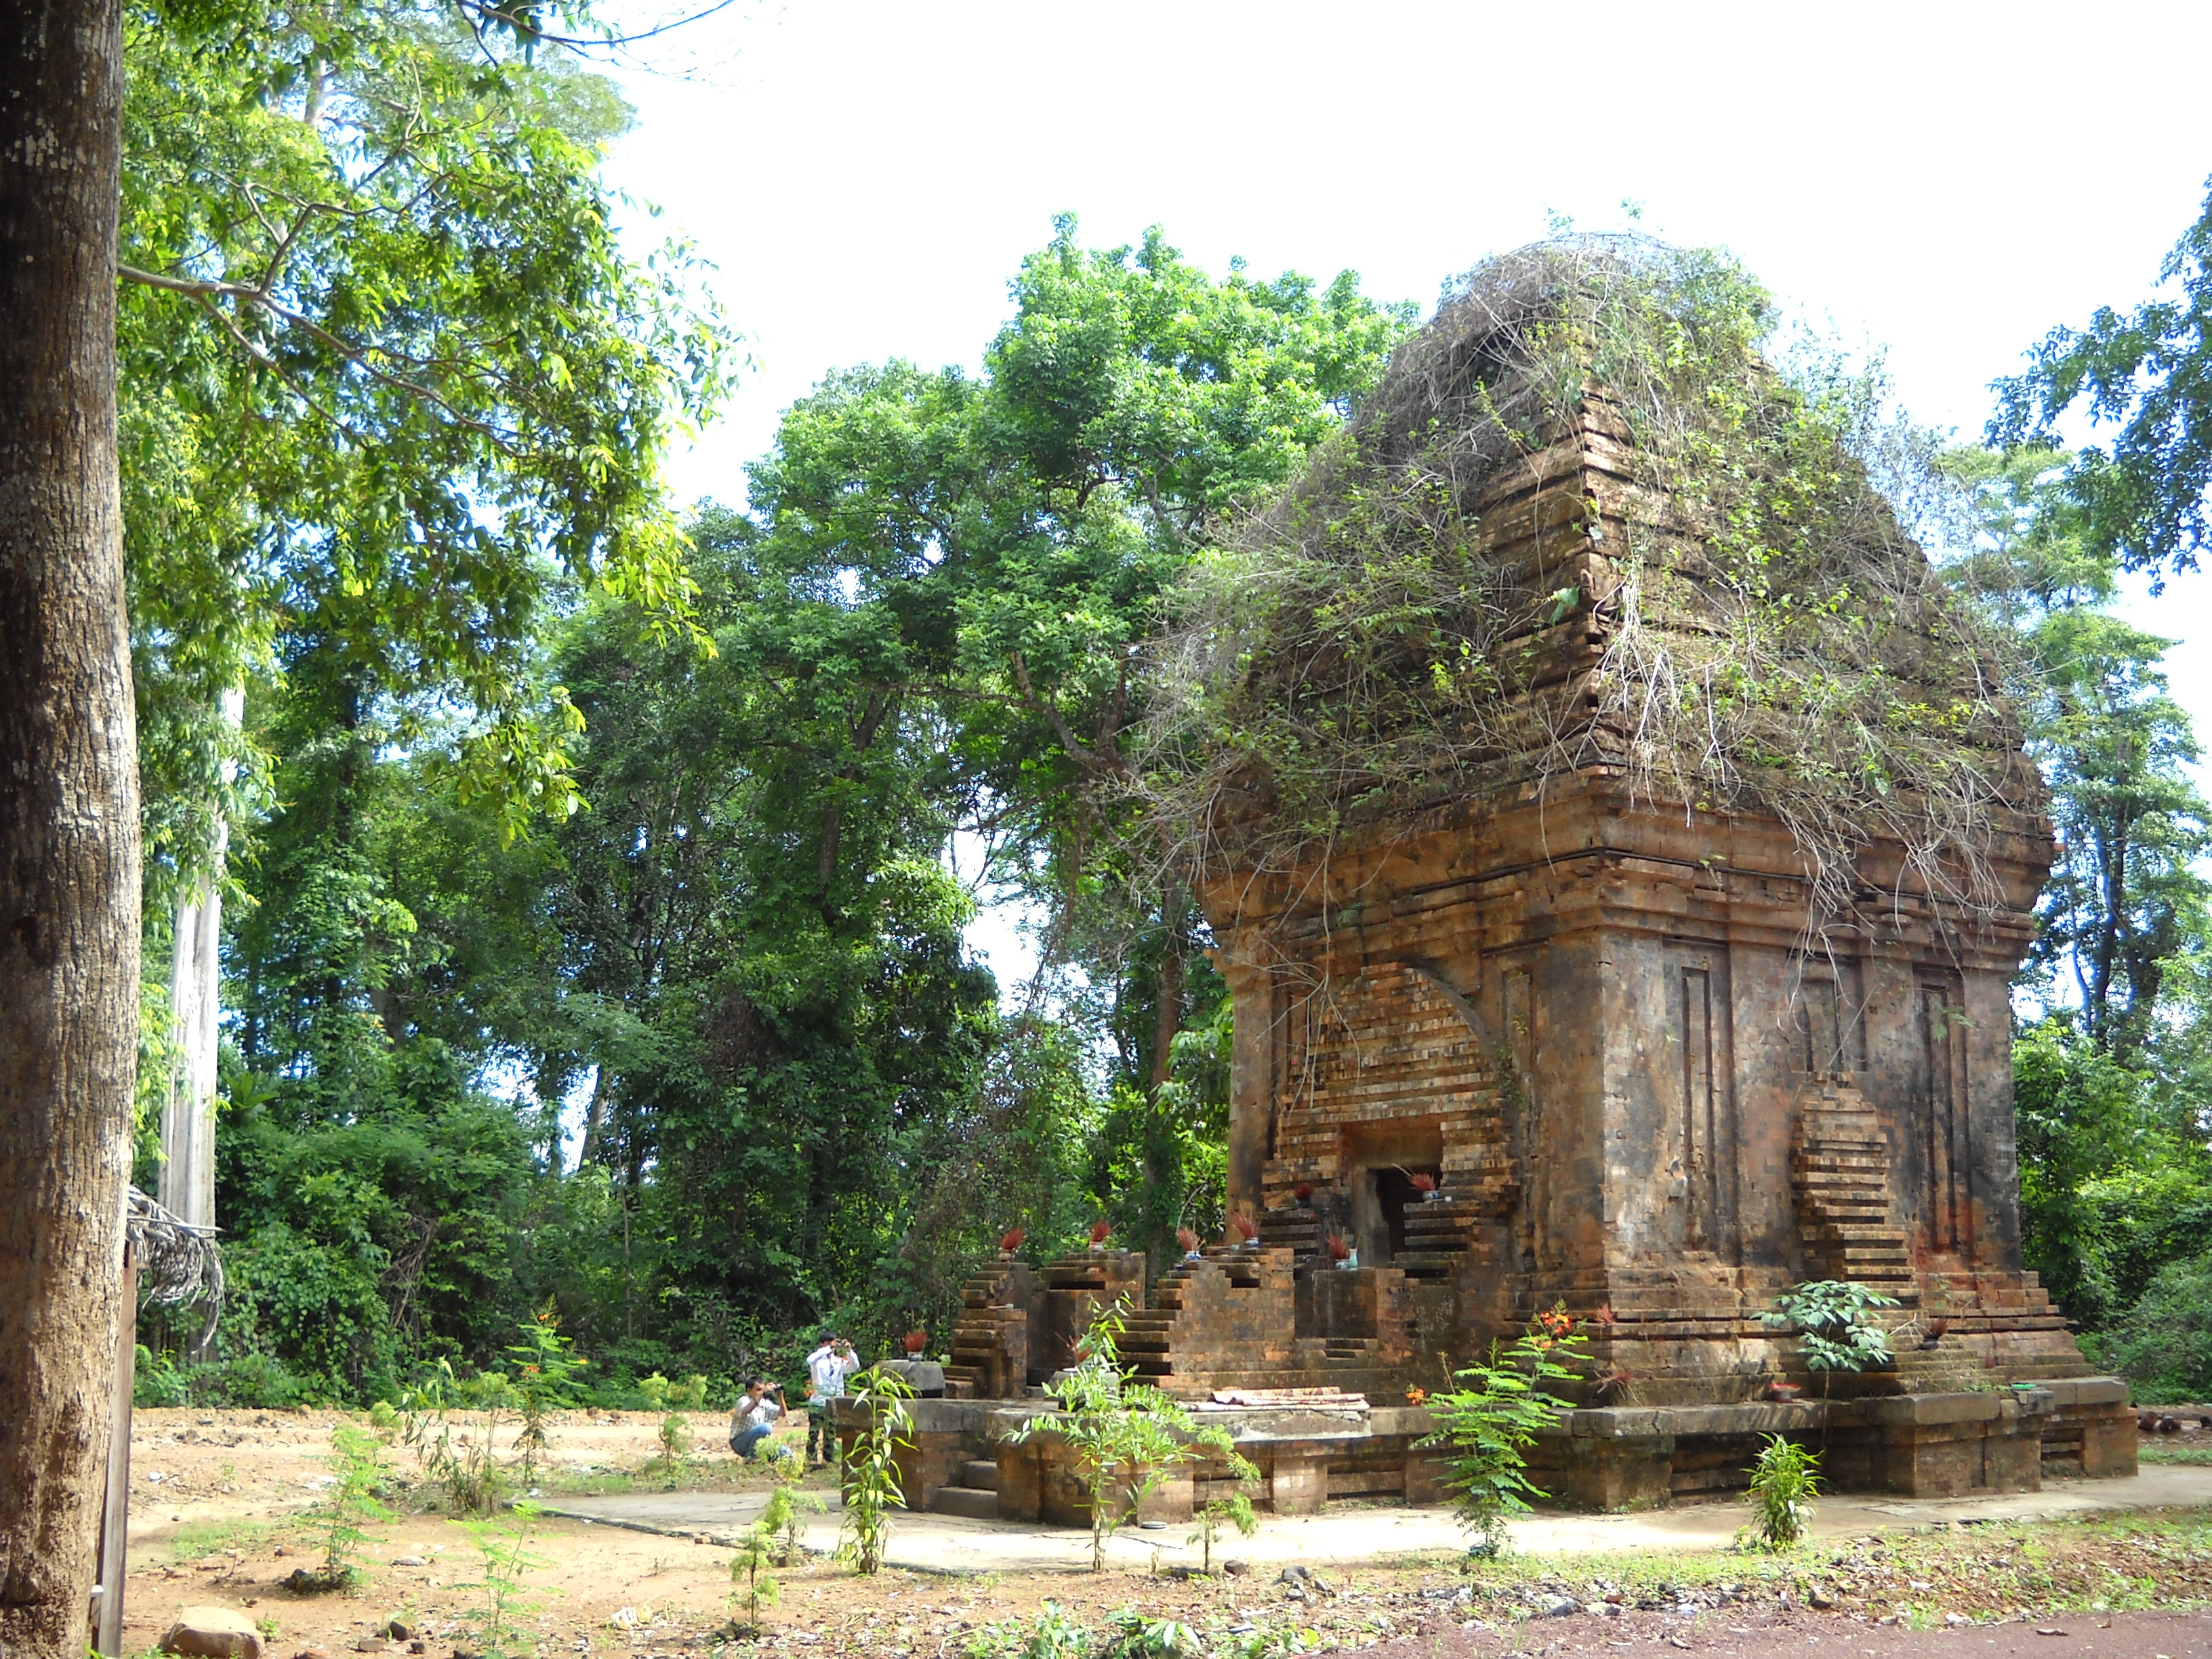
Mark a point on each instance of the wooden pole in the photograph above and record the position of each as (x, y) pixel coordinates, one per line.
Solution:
(115, 1520)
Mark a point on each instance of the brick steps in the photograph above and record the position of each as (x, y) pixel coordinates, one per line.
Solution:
(967, 1501)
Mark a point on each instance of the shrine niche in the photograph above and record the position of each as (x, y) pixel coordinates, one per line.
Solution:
(1619, 912)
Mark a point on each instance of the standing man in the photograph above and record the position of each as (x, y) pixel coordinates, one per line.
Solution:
(832, 1361)
(754, 1421)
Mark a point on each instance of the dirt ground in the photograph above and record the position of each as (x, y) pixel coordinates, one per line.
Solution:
(222, 1513)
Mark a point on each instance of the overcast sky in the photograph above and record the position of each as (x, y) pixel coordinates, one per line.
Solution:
(1947, 181)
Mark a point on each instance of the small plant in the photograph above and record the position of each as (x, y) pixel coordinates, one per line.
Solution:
(915, 1341)
(1492, 1421)
(871, 1488)
(1834, 1332)
(752, 1587)
(1424, 1182)
(1011, 1239)
(1244, 1227)
(689, 1394)
(655, 1390)
(1234, 1510)
(675, 1445)
(504, 1547)
(350, 1502)
(1136, 1636)
(545, 1369)
(1302, 1192)
(1052, 1634)
(1188, 1240)
(454, 1447)
(780, 1517)
(1100, 1232)
(1339, 1248)
(158, 1380)
(1783, 1483)
(1124, 1435)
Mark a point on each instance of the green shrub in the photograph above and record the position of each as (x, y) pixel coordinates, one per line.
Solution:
(252, 1382)
(1052, 1633)
(157, 1382)
(1783, 1483)
(1835, 1329)
(2163, 1343)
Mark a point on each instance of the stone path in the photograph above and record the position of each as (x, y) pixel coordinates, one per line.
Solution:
(943, 1543)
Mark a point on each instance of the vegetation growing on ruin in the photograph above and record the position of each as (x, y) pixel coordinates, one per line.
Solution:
(1757, 632)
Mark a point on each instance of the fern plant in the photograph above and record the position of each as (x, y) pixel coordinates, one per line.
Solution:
(1492, 1420)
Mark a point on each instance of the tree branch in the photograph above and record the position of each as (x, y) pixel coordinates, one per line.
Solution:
(207, 292)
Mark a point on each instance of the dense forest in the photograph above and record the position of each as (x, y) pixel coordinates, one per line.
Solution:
(598, 875)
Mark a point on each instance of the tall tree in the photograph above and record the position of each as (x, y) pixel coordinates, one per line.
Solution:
(69, 809)
(2126, 898)
(2146, 495)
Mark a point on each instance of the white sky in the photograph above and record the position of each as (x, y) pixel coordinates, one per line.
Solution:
(1947, 180)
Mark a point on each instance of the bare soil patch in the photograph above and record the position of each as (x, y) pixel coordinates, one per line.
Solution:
(224, 1524)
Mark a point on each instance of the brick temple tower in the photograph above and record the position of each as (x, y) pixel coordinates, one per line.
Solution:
(1536, 1019)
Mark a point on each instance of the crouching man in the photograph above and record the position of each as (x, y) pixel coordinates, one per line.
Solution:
(755, 1418)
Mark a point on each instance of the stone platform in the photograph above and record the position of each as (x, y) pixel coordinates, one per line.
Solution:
(1954, 1444)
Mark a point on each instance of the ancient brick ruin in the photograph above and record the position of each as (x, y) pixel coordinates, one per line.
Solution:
(1541, 1038)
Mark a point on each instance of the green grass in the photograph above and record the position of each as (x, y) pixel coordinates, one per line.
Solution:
(2154, 1451)
(195, 1540)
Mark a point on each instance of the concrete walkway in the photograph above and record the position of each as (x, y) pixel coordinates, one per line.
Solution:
(943, 1543)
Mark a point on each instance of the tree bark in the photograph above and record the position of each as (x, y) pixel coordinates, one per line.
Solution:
(69, 812)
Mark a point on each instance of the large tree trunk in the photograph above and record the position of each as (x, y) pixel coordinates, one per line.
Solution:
(69, 812)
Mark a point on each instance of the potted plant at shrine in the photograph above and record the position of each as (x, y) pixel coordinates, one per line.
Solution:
(915, 1342)
(1302, 1192)
(1426, 1185)
(1341, 1251)
(1188, 1240)
(1246, 1230)
(1100, 1231)
(1010, 1241)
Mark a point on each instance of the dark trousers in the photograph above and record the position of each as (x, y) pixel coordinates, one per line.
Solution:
(821, 1431)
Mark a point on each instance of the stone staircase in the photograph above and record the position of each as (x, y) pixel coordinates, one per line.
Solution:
(1840, 1169)
(976, 1497)
(1437, 1233)
(1296, 1228)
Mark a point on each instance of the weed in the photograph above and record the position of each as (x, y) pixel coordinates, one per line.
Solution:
(453, 1447)
(675, 1444)
(504, 1545)
(1136, 1636)
(1234, 1510)
(1834, 1332)
(1053, 1633)
(1783, 1483)
(357, 1471)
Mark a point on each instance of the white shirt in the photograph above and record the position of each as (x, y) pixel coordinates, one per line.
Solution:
(829, 1368)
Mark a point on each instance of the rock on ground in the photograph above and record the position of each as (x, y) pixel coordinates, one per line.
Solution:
(213, 1633)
